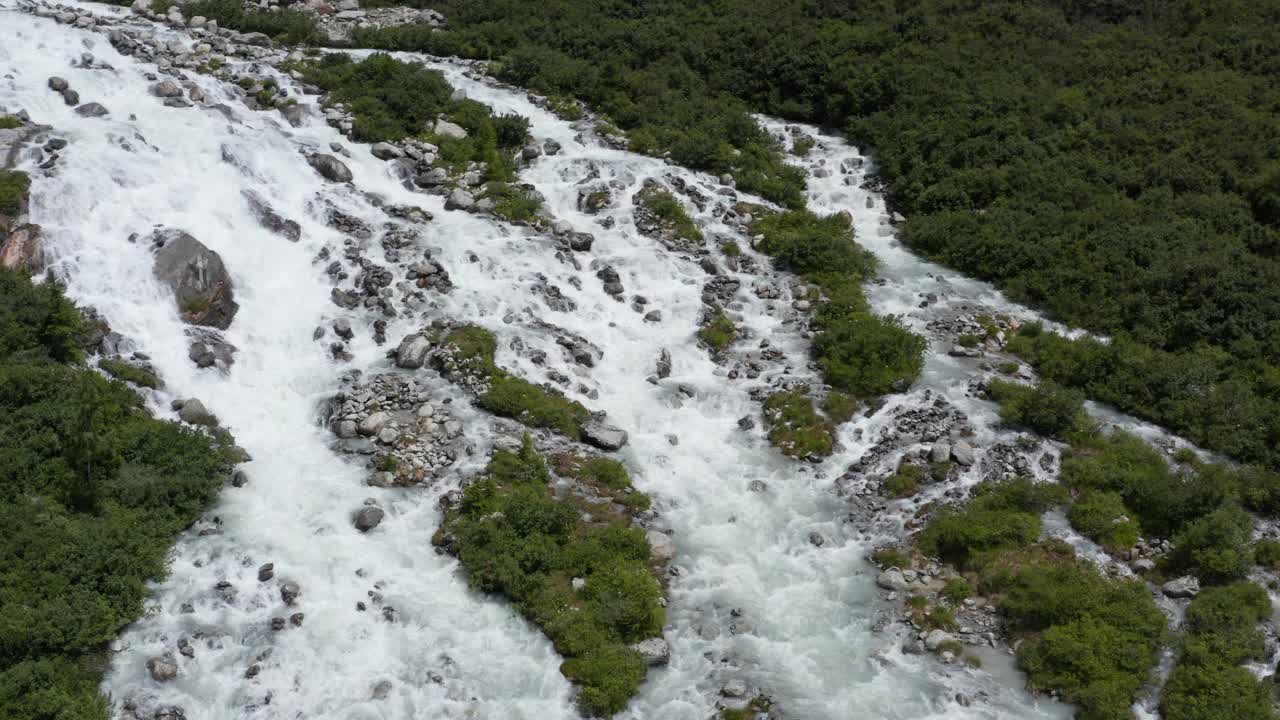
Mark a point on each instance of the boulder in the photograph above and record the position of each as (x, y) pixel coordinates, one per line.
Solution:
(936, 639)
(24, 249)
(661, 547)
(450, 130)
(368, 518)
(57, 84)
(386, 151)
(256, 38)
(460, 199)
(166, 89)
(1181, 588)
(199, 280)
(605, 437)
(962, 453)
(289, 592)
(270, 219)
(940, 452)
(92, 109)
(431, 178)
(655, 651)
(371, 425)
(162, 668)
(329, 167)
(193, 411)
(412, 352)
(892, 579)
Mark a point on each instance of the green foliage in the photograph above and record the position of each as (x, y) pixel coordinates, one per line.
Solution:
(517, 539)
(1102, 517)
(1047, 408)
(14, 186)
(866, 355)
(795, 427)
(731, 249)
(906, 482)
(719, 332)
(1267, 553)
(293, 27)
(1214, 548)
(129, 373)
(92, 492)
(822, 248)
(802, 146)
(956, 590)
(670, 212)
(891, 557)
(1000, 516)
(391, 100)
(513, 202)
(839, 407)
(9, 122)
(1221, 632)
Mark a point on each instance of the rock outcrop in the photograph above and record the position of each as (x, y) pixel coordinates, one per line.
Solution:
(199, 280)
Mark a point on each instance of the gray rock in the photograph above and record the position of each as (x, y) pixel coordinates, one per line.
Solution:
(346, 429)
(289, 592)
(199, 280)
(1181, 588)
(450, 130)
(664, 363)
(70, 97)
(937, 639)
(460, 199)
(386, 151)
(661, 547)
(962, 453)
(368, 518)
(1143, 565)
(256, 38)
(735, 688)
(342, 328)
(162, 668)
(605, 437)
(373, 424)
(166, 89)
(431, 178)
(92, 109)
(266, 571)
(193, 411)
(57, 84)
(412, 352)
(655, 651)
(892, 579)
(381, 690)
(940, 452)
(329, 167)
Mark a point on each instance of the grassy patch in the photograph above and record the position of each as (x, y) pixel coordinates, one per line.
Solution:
(517, 539)
(1102, 517)
(9, 122)
(670, 211)
(802, 146)
(888, 557)
(1001, 516)
(795, 427)
(906, 481)
(129, 373)
(718, 332)
(14, 186)
(513, 202)
(839, 407)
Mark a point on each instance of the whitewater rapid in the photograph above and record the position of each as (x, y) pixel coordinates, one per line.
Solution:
(754, 599)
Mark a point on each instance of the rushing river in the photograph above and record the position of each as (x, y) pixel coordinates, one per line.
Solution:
(755, 600)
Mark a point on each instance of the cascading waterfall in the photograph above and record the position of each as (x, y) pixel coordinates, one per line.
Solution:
(754, 599)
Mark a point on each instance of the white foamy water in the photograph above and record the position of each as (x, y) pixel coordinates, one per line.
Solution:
(754, 599)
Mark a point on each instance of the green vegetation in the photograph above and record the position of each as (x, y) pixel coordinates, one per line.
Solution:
(14, 186)
(1001, 516)
(9, 122)
(822, 248)
(605, 476)
(391, 100)
(731, 249)
(1092, 638)
(670, 212)
(293, 27)
(513, 202)
(517, 539)
(1221, 632)
(758, 706)
(1047, 409)
(795, 427)
(718, 332)
(906, 481)
(839, 407)
(1102, 517)
(802, 146)
(129, 373)
(888, 557)
(956, 590)
(1267, 553)
(1215, 547)
(471, 352)
(92, 492)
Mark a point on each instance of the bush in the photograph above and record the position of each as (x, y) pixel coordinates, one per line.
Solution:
(956, 590)
(293, 27)
(1214, 548)
(1001, 516)
(891, 557)
(865, 355)
(1267, 553)
(718, 332)
(391, 100)
(1048, 409)
(820, 247)
(1103, 518)
(839, 407)
(795, 427)
(513, 202)
(129, 373)
(670, 211)
(14, 186)
(516, 538)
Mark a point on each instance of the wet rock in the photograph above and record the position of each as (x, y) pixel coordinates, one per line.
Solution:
(166, 89)
(936, 639)
(655, 651)
(57, 84)
(412, 352)
(374, 423)
(296, 619)
(342, 328)
(892, 579)
(368, 518)
(605, 437)
(162, 668)
(92, 109)
(962, 453)
(266, 571)
(23, 249)
(185, 649)
(664, 363)
(816, 539)
(735, 688)
(289, 592)
(199, 280)
(381, 690)
(940, 452)
(1143, 565)
(460, 199)
(386, 151)
(277, 624)
(1181, 588)
(194, 412)
(239, 479)
(431, 178)
(661, 547)
(746, 422)
(330, 167)
(270, 219)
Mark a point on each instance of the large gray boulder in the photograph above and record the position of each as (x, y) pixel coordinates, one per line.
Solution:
(450, 130)
(162, 668)
(661, 547)
(1182, 588)
(193, 411)
(368, 518)
(655, 651)
(412, 352)
(330, 167)
(605, 437)
(199, 280)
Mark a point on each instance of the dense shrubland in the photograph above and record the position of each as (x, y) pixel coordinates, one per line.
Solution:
(92, 492)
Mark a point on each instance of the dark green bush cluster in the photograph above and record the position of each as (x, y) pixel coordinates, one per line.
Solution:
(1093, 638)
(606, 476)
(822, 248)
(293, 27)
(718, 332)
(517, 539)
(129, 373)
(92, 492)
(1047, 408)
(1221, 632)
(491, 139)
(391, 100)
(1000, 516)
(14, 186)
(1102, 517)
(9, 122)
(795, 427)
(510, 396)
(670, 211)
(906, 481)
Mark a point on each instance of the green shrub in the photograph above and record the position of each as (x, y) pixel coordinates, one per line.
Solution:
(14, 186)
(1102, 517)
(513, 202)
(670, 211)
(839, 407)
(731, 249)
(719, 332)
(802, 146)
(902, 484)
(129, 373)
(891, 557)
(1267, 553)
(795, 427)
(391, 100)
(1047, 408)
(822, 248)
(866, 355)
(516, 538)
(1000, 516)
(294, 27)
(956, 590)
(9, 122)
(1214, 548)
